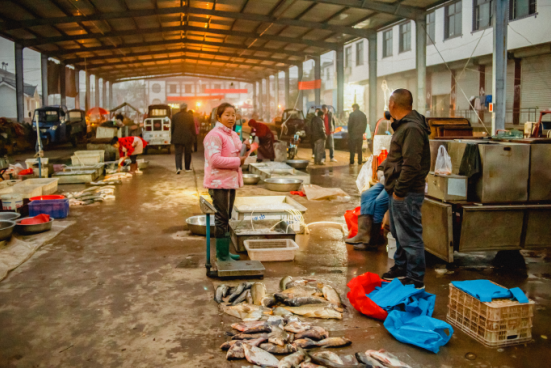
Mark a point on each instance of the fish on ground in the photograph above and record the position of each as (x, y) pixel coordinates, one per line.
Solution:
(295, 292)
(302, 282)
(257, 356)
(279, 336)
(297, 327)
(369, 361)
(252, 327)
(333, 342)
(239, 290)
(276, 321)
(243, 336)
(241, 298)
(284, 281)
(304, 344)
(314, 333)
(236, 350)
(258, 292)
(310, 365)
(315, 311)
(304, 300)
(268, 301)
(280, 311)
(240, 311)
(331, 295)
(293, 360)
(388, 359)
(328, 355)
(276, 349)
(254, 315)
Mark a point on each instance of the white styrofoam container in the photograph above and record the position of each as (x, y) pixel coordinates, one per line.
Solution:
(104, 132)
(33, 162)
(391, 245)
(49, 185)
(86, 160)
(87, 153)
(26, 191)
(271, 250)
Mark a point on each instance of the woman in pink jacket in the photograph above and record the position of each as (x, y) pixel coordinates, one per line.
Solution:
(223, 174)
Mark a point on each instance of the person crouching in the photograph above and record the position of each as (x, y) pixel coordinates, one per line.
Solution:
(129, 147)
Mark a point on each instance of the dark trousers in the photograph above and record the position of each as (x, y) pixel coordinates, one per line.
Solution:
(179, 148)
(195, 139)
(318, 151)
(222, 199)
(406, 228)
(355, 146)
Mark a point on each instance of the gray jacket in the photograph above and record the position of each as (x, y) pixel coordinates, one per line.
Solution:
(182, 128)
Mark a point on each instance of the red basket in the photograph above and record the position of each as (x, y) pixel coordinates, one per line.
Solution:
(47, 197)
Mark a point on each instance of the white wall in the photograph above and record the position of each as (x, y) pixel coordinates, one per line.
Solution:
(8, 108)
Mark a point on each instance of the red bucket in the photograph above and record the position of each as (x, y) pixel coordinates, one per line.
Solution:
(47, 197)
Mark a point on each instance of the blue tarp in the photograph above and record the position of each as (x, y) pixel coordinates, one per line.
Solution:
(395, 296)
(486, 291)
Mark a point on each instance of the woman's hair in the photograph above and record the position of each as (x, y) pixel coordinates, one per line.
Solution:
(319, 113)
(115, 140)
(119, 116)
(220, 110)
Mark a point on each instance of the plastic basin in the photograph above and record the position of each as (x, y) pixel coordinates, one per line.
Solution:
(47, 197)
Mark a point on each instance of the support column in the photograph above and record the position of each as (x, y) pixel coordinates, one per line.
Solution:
(299, 79)
(286, 90)
(268, 102)
(77, 88)
(421, 61)
(44, 77)
(20, 98)
(276, 100)
(254, 97)
(516, 98)
(372, 45)
(340, 80)
(87, 92)
(111, 95)
(482, 89)
(62, 85)
(317, 76)
(453, 95)
(104, 94)
(260, 99)
(96, 91)
(499, 63)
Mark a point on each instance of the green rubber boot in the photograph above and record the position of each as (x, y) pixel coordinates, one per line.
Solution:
(223, 249)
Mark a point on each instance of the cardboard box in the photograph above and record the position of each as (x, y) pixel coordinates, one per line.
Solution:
(447, 187)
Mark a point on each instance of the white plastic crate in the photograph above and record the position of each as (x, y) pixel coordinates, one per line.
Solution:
(26, 191)
(33, 162)
(88, 153)
(495, 324)
(49, 185)
(271, 250)
(85, 160)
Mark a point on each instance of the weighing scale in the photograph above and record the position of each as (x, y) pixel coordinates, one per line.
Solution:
(227, 268)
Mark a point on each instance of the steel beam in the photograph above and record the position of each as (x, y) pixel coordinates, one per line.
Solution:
(300, 103)
(87, 75)
(77, 88)
(402, 11)
(62, 85)
(19, 86)
(372, 47)
(421, 61)
(183, 67)
(74, 61)
(180, 74)
(340, 80)
(317, 76)
(44, 77)
(499, 63)
(287, 86)
(96, 91)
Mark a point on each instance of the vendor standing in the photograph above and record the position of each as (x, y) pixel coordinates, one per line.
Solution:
(223, 174)
(265, 140)
(129, 147)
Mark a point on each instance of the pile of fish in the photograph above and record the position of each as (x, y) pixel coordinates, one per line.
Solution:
(91, 195)
(309, 298)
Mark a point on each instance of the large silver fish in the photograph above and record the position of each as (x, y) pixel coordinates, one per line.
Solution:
(315, 333)
(257, 356)
(251, 327)
(386, 358)
(304, 344)
(241, 298)
(220, 293)
(297, 327)
(240, 311)
(279, 336)
(328, 355)
(304, 300)
(311, 365)
(331, 295)
(243, 336)
(258, 292)
(239, 290)
(276, 349)
(237, 351)
(280, 311)
(293, 360)
(315, 311)
(268, 301)
(284, 281)
(333, 342)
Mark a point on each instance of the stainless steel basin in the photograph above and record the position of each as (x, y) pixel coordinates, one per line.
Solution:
(251, 179)
(9, 216)
(282, 184)
(6, 229)
(32, 229)
(298, 164)
(198, 224)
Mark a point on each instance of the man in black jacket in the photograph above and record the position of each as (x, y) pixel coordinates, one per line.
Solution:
(318, 137)
(405, 170)
(357, 124)
(183, 136)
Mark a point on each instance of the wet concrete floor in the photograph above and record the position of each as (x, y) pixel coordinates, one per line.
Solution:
(126, 285)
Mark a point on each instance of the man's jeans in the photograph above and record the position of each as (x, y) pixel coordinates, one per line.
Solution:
(406, 228)
(329, 143)
(374, 202)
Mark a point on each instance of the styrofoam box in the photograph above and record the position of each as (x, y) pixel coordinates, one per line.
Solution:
(26, 191)
(49, 185)
(271, 250)
(85, 160)
(33, 162)
(101, 154)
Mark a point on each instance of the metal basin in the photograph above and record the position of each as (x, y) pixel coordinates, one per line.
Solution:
(251, 179)
(298, 164)
(6, 229)
(9, 216)
(198, 224)
(283, 184)
(32, 229)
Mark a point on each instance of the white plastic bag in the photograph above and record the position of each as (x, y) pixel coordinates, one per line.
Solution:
(443, 162)
(363, 179)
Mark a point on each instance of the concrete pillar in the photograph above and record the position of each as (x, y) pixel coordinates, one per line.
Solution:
(453, 94)
(372, 45)
(340, 80)
(421, 61)
(96, 91)
(254, 97)
(317, 76)
(276, 100)
(104, 94)
(287, 85)
(20, 98)
(111, 95)
(268, 100)
(87, 92)
(499, 63)
(44, 77)
(517, 90)
(260, 99)
(62, 85)
(77, 88)
(299, 79)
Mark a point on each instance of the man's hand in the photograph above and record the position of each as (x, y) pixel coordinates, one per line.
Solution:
(397, 198)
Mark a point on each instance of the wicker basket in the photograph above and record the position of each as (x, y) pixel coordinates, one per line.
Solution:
(271, 250)
(495, 324)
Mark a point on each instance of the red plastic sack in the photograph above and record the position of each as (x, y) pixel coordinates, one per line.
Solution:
(359, 287)
(297, 192)
(351, 217)
(26, 172)
(39, 219)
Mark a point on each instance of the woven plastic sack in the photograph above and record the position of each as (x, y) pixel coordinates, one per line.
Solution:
(360, 286)
(351, 218)
(443, 162)
(362, 181)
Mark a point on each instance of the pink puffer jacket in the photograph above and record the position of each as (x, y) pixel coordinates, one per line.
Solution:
(222, 163)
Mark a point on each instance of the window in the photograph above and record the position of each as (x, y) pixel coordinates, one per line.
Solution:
(172, 88)
(156, 88)
(405, 37)
(431, 28)
(188, 88)
(217, 86)
(521, 8)
(360, 53)
(347, 55)
(482, 16)
(452, 25)
(387, 43)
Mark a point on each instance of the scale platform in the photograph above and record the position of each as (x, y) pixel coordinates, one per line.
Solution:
(239, 268)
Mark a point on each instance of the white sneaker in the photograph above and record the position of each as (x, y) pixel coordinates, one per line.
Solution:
(334, 160)
(189, 170)
(178, 172)
(322, 160)
(313, 156)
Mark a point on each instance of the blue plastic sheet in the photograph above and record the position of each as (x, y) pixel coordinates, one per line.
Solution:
(422, 331)
(395, 296)
(486, 291)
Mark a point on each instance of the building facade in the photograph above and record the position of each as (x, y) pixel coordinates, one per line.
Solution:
(8, 108)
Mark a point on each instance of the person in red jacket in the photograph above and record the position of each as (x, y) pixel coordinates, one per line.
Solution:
(129, 147)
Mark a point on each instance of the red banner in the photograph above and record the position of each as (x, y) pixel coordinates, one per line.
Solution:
(315, 84)
(230, 90)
